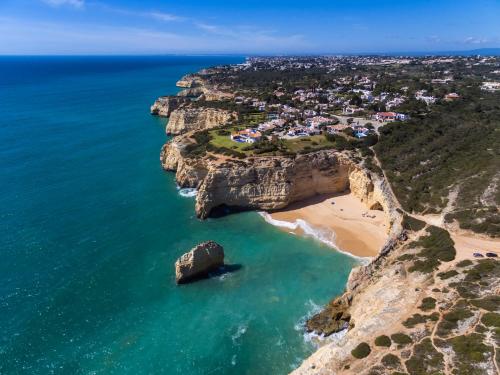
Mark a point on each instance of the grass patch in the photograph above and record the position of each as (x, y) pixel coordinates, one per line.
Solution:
(312, 143)
(383, 341)
(361, 351)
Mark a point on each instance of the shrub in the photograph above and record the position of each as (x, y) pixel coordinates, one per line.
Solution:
(447, 275)
(425, 360)
(383, 341)
(491, 319)
(391, 360)
(490, 303)
(464, 263)
(437, 246)
(361, 351)
(469, 350)
(428, 303)
(401, 339)
(410, 223)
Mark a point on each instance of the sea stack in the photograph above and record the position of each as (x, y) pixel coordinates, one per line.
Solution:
(197, 263)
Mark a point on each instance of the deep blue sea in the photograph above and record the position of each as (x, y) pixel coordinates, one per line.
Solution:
(91, 227)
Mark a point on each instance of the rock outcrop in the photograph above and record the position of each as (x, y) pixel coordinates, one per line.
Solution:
(273, 182)
(164, 105)
(190, 80)
(202, 259)
(187, 119)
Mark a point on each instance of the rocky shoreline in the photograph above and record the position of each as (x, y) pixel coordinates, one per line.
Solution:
(381, 296)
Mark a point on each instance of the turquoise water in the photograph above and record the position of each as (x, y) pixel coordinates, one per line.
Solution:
(91, 227)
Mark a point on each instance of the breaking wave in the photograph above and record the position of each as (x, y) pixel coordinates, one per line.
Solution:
(240, 331)
(188, 192)
(323, 235)
(312, 337)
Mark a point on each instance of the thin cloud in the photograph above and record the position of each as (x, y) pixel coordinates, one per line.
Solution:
(474, 40)
(167, 17)
(73, 3)
(207, 27)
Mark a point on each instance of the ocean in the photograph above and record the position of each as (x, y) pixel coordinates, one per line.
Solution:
(91, 227)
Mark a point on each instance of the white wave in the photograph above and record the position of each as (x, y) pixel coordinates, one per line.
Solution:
(313, 308)
(240, 331)
(188, 192)
(312, 337)
(323, 235)
(233, 360)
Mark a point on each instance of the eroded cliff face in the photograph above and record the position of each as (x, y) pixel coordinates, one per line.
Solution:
(164, 105)
(190, 80)
(272, 182)
(188, 119)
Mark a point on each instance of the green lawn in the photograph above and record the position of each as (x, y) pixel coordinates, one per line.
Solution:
(292, 145)
(219, 141)
(299, 144)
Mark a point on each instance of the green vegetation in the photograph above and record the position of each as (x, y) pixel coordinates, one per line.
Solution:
(361, 351)
(309, 144)
(406, 257)
(491, 319)
(401, 339)
(470, 351)
(410, 223)
(447, 275)
(450, 320)
(383, 341)
(391, 361)
(428, 303)
(464, 263)
(437, 246)
(490, 303)
(425, 359)
(483, 269)
(456, 144)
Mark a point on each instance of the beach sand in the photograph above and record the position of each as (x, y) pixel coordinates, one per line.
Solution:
(353, 227)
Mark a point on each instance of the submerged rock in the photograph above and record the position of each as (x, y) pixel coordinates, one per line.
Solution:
(202, 259)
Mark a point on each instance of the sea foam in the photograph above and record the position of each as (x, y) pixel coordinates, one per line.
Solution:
(323, 235)
(188, 192)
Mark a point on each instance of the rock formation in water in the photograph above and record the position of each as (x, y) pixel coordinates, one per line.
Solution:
(400, 305)
(197, 263)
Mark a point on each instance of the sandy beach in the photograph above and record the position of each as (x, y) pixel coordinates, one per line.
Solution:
(342, 218)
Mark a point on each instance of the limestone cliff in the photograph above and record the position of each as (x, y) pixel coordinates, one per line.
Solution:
(187, 119)
(164, 105)
(190, 80)
(271, 183)
(404, 317)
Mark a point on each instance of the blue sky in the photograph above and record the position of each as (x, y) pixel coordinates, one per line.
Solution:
(245, 27)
